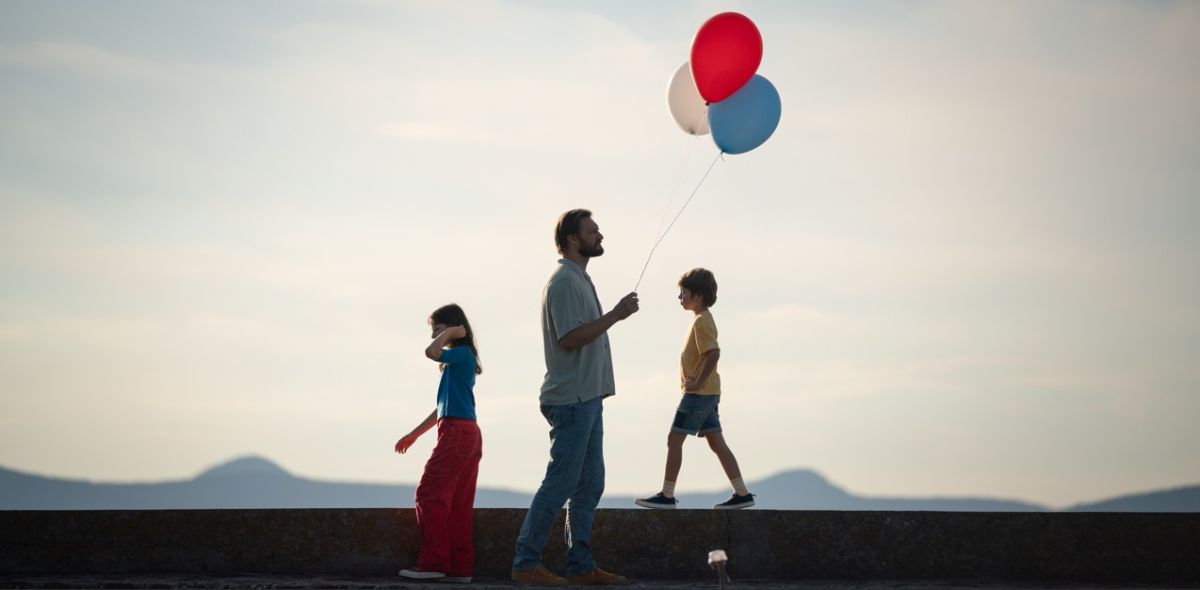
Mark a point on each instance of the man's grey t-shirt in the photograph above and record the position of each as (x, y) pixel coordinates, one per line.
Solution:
(569, 301)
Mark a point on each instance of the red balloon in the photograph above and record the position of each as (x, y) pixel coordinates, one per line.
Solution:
(725, 54)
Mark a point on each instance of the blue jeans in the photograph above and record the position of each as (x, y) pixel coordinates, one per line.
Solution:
(575, 472)
(697, 414)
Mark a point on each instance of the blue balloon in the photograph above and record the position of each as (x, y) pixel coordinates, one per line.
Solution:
(746, 119)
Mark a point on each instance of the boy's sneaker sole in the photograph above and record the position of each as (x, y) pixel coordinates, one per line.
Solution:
(654, 505)
(737, 506)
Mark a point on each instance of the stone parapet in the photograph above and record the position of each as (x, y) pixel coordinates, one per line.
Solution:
(667, 545)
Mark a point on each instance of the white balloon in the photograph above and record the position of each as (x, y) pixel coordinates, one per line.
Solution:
(686, 104)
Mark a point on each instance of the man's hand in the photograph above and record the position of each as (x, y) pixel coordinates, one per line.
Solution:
(404, 443)
(627, 306)
(691, 384)
(583, 335)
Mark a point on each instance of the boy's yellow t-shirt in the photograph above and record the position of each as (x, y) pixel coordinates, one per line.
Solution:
(701, 338)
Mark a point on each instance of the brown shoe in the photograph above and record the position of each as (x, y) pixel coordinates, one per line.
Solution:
(538, 576)
(597, 577)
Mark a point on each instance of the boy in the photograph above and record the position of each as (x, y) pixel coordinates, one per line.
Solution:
(697, 412)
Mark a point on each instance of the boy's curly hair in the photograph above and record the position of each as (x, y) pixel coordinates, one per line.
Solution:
(702, 281)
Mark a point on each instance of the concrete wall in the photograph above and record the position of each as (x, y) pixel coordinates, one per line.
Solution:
(762, 544)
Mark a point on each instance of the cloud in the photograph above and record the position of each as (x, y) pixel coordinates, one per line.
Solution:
(90, 60)
(419, 132)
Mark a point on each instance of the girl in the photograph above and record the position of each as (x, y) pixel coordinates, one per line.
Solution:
(445, 498)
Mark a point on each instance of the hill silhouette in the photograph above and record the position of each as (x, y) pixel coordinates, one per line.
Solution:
(1185, 499)
(256, 482)
(250, 466)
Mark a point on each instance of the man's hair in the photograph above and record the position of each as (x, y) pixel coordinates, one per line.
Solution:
(568, 225)
(701, 281)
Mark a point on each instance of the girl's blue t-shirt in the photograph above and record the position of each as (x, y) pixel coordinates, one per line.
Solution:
(456, 396)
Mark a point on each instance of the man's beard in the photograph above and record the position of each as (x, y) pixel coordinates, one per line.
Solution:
(590, 252)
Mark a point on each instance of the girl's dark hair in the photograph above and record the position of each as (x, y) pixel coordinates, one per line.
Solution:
(568, 225)
(452, 315)
(702, 281)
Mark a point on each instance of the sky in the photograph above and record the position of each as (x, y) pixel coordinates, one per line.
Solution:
(966, 263)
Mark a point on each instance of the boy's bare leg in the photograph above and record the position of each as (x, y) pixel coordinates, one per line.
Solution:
(716, 442)
(674, 459)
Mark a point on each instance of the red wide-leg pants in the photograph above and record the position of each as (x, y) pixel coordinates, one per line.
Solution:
(445, 499)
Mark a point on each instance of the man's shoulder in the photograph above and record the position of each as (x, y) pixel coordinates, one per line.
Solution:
(563, 277)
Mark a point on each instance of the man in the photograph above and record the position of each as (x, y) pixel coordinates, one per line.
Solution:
(579, 376)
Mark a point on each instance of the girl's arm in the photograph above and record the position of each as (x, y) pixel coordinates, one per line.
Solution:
(434, 350)
(407, 440)
(708, 364)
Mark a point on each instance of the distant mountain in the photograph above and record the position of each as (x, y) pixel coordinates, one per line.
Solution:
(244, 467)
(247, 482)
(1186, 499)
(255, 482)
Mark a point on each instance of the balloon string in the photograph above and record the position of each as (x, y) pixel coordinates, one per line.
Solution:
(684, 157)
(672, 224)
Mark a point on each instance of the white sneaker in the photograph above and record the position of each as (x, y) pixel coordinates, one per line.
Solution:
(455, 579)
(415, 574)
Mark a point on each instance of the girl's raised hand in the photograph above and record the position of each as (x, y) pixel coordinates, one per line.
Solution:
(455, 332)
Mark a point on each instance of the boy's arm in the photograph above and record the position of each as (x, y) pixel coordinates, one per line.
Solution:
(407, 440)
(708, 364)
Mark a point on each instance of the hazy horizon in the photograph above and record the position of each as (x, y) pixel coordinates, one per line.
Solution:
(799, 488)
(966, 262)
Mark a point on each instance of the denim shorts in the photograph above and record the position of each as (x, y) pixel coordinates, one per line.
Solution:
(697, 414)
